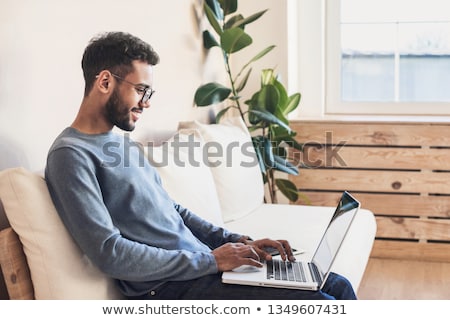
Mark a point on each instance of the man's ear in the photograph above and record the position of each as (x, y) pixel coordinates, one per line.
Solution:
(103, 81)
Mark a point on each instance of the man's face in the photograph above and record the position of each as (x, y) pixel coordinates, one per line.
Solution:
(124, 107)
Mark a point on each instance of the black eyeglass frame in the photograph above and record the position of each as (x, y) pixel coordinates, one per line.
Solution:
(147, 92)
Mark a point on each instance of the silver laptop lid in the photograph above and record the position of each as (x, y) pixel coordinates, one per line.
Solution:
(335, 233)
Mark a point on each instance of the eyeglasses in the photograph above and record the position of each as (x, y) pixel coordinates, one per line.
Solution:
(146, 92)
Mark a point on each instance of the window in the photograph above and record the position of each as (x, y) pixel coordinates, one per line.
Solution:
(385, 57)
(394, 55)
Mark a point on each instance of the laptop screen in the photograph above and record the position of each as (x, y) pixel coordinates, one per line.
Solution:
(335, 233)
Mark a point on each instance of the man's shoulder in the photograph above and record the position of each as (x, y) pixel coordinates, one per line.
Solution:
(70, 138)
(66, 137)
(72, 148)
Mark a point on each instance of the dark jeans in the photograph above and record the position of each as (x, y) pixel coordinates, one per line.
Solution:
(212, 288)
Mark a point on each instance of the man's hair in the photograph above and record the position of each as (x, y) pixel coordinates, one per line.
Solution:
(114, 51)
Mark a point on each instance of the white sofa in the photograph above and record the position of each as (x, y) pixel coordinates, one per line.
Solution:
(213, 173)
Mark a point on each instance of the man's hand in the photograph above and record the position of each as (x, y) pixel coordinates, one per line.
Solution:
(282, 246)
(249, 252)
(233, 255)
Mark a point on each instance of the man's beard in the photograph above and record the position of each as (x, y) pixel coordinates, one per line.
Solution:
(117, 113)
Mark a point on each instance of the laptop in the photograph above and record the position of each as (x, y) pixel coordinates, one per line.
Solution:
(303, 275)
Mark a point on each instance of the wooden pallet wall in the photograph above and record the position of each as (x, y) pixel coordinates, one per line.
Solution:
(399, 171)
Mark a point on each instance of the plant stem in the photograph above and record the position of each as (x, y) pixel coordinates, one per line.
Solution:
(233, 87)
(271, 185)
(271, 175)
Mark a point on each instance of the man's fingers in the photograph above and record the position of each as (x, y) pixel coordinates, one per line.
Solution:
(288, 250)
(281, 246)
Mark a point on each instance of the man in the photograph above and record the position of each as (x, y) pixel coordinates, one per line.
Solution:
(121, 217)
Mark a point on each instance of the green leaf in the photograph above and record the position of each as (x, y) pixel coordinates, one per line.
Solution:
(267, 77)
(281, 135)
(229, 6)
(304, 198)
(269, 159)
(252, 101)
(221, 113)
(282, 164)
(270, 118)
(213, 19)
(234, 39)
(261, 54)
(258, 147)
(264, 150)
(268, 98)
(255, 58)
(211, 93)
(243, 82)
(279, 150)
(249, 19)
(208, 40)
(283, 95)
(279, 114)
(230, 22)
(254, 117)
(292, 103)
(214, 5)
(288, 189)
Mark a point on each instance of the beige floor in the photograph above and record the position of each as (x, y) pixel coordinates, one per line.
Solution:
(387, 279)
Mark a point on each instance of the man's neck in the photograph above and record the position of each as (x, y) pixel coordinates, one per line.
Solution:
(90, 120)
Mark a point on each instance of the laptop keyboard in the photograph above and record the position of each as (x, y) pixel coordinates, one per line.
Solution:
(290, 271)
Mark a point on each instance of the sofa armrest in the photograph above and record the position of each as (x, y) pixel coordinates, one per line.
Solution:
(14, 266)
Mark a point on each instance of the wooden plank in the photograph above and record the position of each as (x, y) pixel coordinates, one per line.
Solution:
(439, 252)
(373, 181)
(372, 133)
(410, 228)
(387, 204)
(14, 266)
(366, 157)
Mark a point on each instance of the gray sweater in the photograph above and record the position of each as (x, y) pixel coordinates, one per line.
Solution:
(113, 204)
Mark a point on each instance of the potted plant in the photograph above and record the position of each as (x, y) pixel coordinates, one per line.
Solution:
(266, 111)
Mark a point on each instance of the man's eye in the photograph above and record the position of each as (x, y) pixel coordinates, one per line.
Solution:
(140, 90)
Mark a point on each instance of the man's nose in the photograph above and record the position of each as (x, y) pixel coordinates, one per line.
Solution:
(145, 104)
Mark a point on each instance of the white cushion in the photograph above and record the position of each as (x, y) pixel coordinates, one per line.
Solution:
(234, 166)
(185, 174)
(58, 268)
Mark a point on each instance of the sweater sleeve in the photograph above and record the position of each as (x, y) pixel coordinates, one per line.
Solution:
(205, 231)
(77, 195)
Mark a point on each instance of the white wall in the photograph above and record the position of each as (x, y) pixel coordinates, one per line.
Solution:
(41, 44)
(270, 29)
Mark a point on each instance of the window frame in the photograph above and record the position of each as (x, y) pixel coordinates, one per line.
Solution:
(315, 54)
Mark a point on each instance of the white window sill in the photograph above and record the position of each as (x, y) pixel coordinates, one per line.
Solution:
(375, 118)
